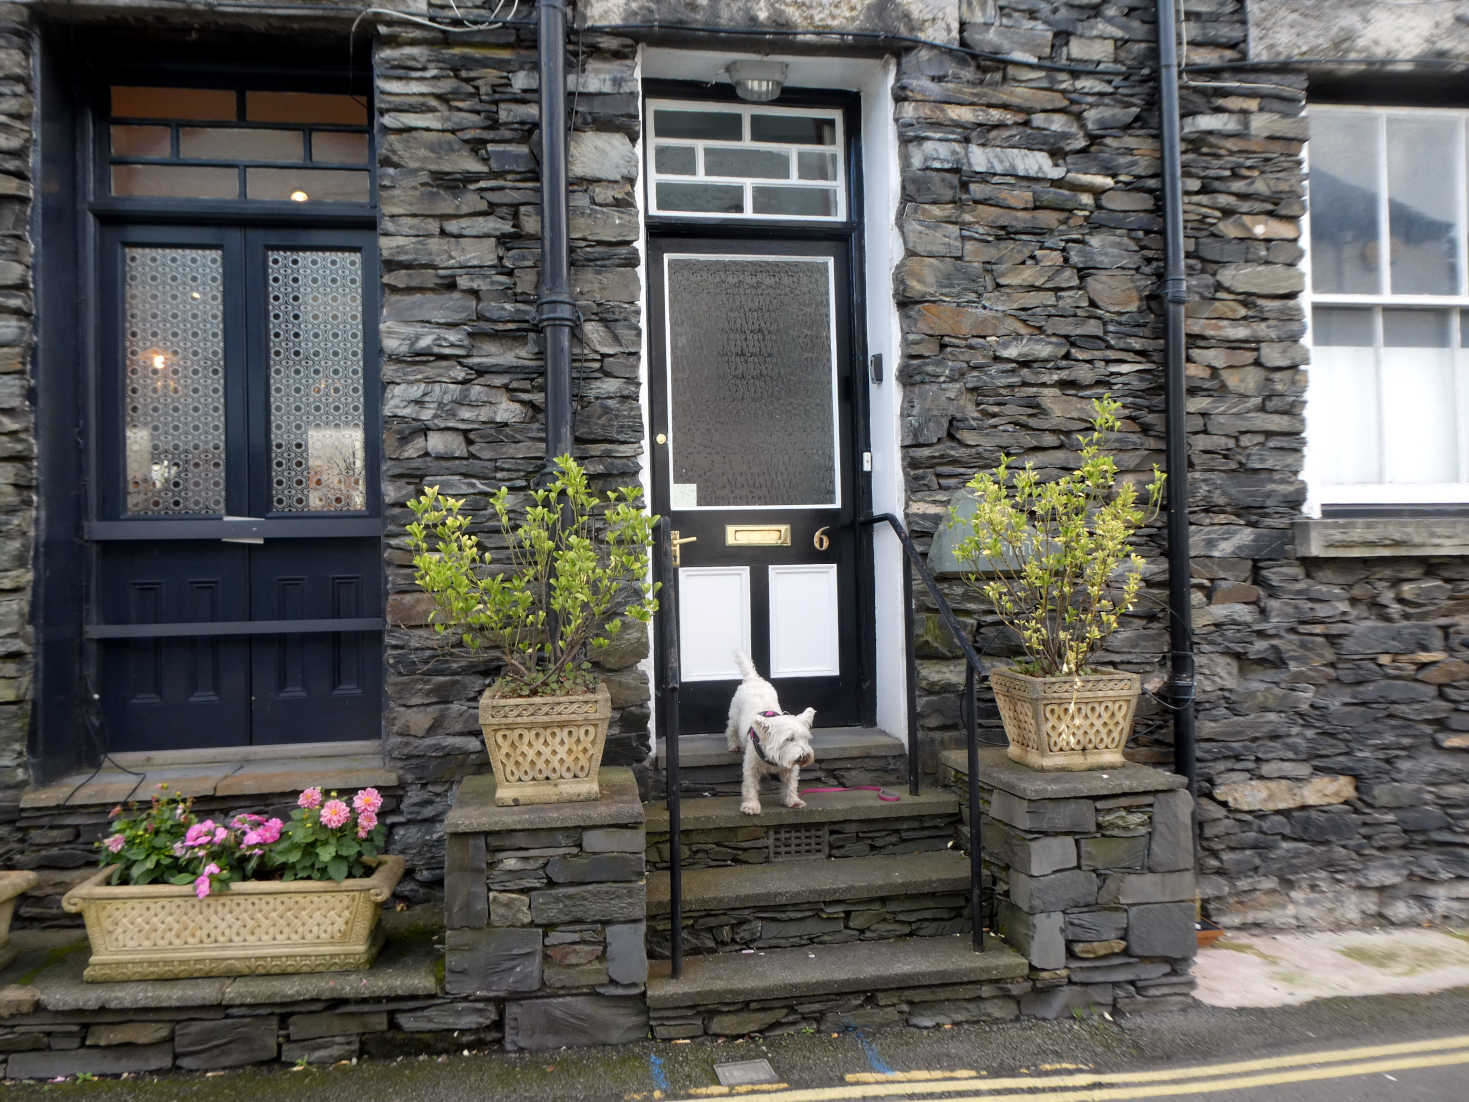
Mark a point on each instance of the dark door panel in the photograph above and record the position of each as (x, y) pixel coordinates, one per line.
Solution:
(315, 686)
(173, 693)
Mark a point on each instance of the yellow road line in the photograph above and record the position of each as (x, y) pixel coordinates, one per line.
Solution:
(889, 1086)
(1239, 1082)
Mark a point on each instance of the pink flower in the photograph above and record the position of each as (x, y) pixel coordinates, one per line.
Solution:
(334, 813)
(115, 843)
(369, 799)
(310, 799)
(264, 835)
(201, 834)
(202, 884)
(366, 822)
(220, 834)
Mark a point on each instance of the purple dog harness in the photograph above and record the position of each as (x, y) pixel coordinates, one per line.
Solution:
(755, 739)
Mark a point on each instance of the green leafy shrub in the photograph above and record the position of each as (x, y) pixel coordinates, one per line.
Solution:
(575, 564)
(1054, 558)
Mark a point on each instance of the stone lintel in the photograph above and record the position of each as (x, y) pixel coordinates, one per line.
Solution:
(474, 810)
(996, 770)
(937, 20)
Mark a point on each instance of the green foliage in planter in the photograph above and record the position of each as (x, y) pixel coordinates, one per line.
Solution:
(1054, 558)
(575, 564)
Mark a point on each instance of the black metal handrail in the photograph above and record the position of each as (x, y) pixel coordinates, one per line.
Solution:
(668, 703)
(913, 560)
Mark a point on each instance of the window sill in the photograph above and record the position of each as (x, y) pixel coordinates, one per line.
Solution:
(249, 771)
(1378, 537)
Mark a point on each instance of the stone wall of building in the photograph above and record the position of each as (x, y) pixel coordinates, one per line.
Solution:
(1330, 690)
(17, 426)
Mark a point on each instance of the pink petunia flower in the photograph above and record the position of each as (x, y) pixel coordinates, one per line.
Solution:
(115, 843)
(334, 813)
(369, 799)
(202, 885)
(310, 799)
(366, 823)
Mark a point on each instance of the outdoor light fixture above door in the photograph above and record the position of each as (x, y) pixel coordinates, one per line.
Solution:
(757, 81)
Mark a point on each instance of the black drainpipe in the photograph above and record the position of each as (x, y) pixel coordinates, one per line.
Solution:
(1175, 295)
(555, 308)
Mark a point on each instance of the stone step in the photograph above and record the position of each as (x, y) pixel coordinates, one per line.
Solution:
(813, 902)
(844, 756)
(834, 824)
(922, 980)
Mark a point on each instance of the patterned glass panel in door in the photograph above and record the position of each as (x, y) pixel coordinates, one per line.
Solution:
(317, 461)
(173, 357)
(751, 380)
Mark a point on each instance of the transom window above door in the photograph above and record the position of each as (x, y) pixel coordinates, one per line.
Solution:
(227, 143)
(721, 160)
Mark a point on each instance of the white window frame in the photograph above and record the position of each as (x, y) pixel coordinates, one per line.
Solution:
(1321, 490)
(839, 150)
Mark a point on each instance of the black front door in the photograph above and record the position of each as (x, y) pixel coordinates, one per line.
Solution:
(236, 595)
(753, 463)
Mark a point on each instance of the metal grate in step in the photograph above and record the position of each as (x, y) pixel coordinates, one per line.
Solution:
(794, 843)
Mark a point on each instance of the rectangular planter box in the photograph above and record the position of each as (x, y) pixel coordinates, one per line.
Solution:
(12, 885)
(251, 928)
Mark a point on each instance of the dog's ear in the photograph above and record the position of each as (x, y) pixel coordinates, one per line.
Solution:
(808, 717)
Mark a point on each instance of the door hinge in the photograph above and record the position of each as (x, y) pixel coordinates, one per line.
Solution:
(867, 462)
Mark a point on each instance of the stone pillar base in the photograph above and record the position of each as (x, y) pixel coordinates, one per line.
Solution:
(1093, 881)
(544, 909)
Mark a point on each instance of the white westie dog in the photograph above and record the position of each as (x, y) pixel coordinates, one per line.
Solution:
(771, 741)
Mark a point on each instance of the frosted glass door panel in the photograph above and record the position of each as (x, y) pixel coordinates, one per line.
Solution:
(713, 621)
(173, 381)
(316, 399)
(803, 621)
(751, 381)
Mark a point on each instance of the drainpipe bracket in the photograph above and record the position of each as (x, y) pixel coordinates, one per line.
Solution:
(1175, 289)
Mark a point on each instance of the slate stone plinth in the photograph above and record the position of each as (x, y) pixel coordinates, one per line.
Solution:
(1094, 879)
(560, 933)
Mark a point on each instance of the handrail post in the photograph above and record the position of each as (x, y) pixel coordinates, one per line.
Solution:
(976, 837)
(668, 617)
(911, 654)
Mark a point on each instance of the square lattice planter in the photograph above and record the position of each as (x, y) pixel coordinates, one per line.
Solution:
(1069, 722)
(545, 749)
(250, 928)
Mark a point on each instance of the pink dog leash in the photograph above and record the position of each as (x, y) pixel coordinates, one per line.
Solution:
(882, 793)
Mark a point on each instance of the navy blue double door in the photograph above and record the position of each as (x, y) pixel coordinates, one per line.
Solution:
(235, 595)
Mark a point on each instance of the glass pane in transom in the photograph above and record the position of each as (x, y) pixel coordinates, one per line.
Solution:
(741, 151)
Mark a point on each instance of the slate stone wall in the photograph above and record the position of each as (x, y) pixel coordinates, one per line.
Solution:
(1331, 692)
(17, 429)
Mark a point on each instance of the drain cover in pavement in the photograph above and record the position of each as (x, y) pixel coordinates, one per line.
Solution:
(745, 1072)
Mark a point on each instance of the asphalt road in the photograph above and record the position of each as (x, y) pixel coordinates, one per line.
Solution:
(1383, 1049)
